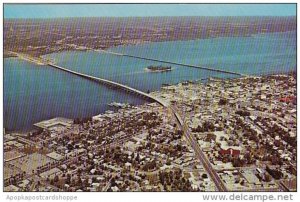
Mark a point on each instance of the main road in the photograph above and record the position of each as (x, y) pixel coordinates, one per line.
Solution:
(186, 132)
(198, 152)
(190, 138)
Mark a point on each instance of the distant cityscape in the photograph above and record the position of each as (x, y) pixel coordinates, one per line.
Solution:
(223, 134)
(25, 36)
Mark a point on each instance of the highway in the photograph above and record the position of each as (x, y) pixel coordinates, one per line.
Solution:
(199, 153)
(29, 58)
(190, 138)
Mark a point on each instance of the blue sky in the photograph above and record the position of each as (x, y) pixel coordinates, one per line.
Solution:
(127, 10)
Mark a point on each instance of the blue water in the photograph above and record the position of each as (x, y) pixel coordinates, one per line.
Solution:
(33, 93)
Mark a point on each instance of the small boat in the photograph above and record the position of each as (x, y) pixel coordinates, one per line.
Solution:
(159, 68)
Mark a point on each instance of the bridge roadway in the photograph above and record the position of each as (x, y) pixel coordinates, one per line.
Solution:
(113, 84)
(199, 153)
(190, 138)
(173, 63)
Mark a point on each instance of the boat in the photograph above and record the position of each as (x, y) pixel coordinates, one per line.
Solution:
(159, 68)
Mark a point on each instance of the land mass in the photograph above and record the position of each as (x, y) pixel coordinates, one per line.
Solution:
(38, 37)
(245, 128)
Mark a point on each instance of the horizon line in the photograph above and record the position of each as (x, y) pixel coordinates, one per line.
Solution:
(225, 16)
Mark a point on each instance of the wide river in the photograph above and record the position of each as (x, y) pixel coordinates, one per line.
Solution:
(33, 93)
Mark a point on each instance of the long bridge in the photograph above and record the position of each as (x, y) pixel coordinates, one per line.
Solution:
(41, 61)
(186, 132)
(113, 84)
(173, 63)
(189, 137)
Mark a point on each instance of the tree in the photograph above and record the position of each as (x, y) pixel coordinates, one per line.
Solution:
(137, 158)
(223, 101)
(268, 177)
(276, 174)
(168, 162)
(243, 113)
(113, 182)
(149, 166)
(56, 178)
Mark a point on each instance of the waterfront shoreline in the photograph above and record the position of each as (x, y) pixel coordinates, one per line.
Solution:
(201, 81)
(85, 49)
(132, 72)
(224, 116)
